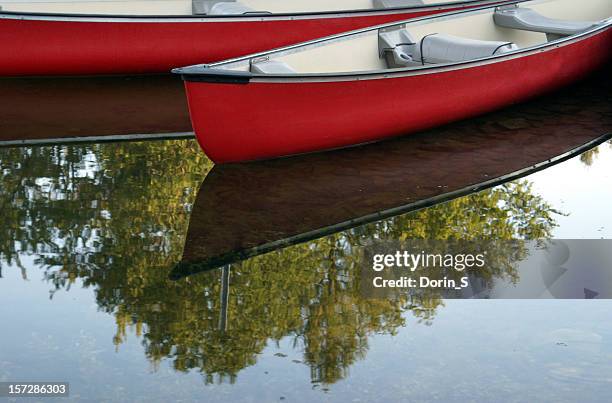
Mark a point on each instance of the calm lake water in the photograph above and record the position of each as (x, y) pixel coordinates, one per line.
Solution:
(90, 235)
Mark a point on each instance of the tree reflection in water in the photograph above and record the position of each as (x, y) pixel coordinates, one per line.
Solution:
(588, 157)
(114, 217)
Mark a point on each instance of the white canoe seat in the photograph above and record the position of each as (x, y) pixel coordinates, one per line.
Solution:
(397, 48)
(443, 48)
(271, 67)
(230, 7)
(396, 3)
(530, 20)
(222, 7)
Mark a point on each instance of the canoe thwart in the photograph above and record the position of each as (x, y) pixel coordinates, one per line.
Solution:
(530, 20)
(267, 66)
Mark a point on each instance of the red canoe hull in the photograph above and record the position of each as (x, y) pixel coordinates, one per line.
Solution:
(48, 45)
(266, 119)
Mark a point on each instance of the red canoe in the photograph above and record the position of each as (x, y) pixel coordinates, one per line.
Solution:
(62, 37)
(395, 79)
(243, 210)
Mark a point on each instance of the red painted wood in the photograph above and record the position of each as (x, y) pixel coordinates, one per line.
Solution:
(77, 46)
(262, 120)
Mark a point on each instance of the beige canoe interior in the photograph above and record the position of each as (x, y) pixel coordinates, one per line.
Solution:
(202, 7)
(360, 52)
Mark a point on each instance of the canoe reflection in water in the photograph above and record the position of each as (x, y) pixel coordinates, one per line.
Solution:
(243, 210)
(60, 110)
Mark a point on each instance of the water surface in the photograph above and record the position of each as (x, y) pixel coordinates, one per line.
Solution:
(90, 235)
(91, 232)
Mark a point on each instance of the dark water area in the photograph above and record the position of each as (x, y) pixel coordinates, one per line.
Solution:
(138, 271)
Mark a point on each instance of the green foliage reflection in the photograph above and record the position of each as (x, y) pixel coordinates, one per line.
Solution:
(114, 218)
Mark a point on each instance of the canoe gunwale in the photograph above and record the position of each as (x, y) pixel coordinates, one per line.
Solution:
(217, 75)
(241, 17)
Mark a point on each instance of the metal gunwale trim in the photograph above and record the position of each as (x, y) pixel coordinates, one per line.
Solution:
(17, 15)
(223, 76)
(96, 139)
(395, 73)
(185, 269)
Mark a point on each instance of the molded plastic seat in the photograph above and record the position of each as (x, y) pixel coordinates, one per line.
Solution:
(271, 67)
(221, 7)
(530, 20)
(442, 48)
(225, 8)
(396, 3)
(397, 47)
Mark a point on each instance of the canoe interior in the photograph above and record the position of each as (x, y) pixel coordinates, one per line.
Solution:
(185, 7)
(360, 51)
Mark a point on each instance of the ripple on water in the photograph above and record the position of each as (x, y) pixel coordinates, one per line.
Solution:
(579, 357)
